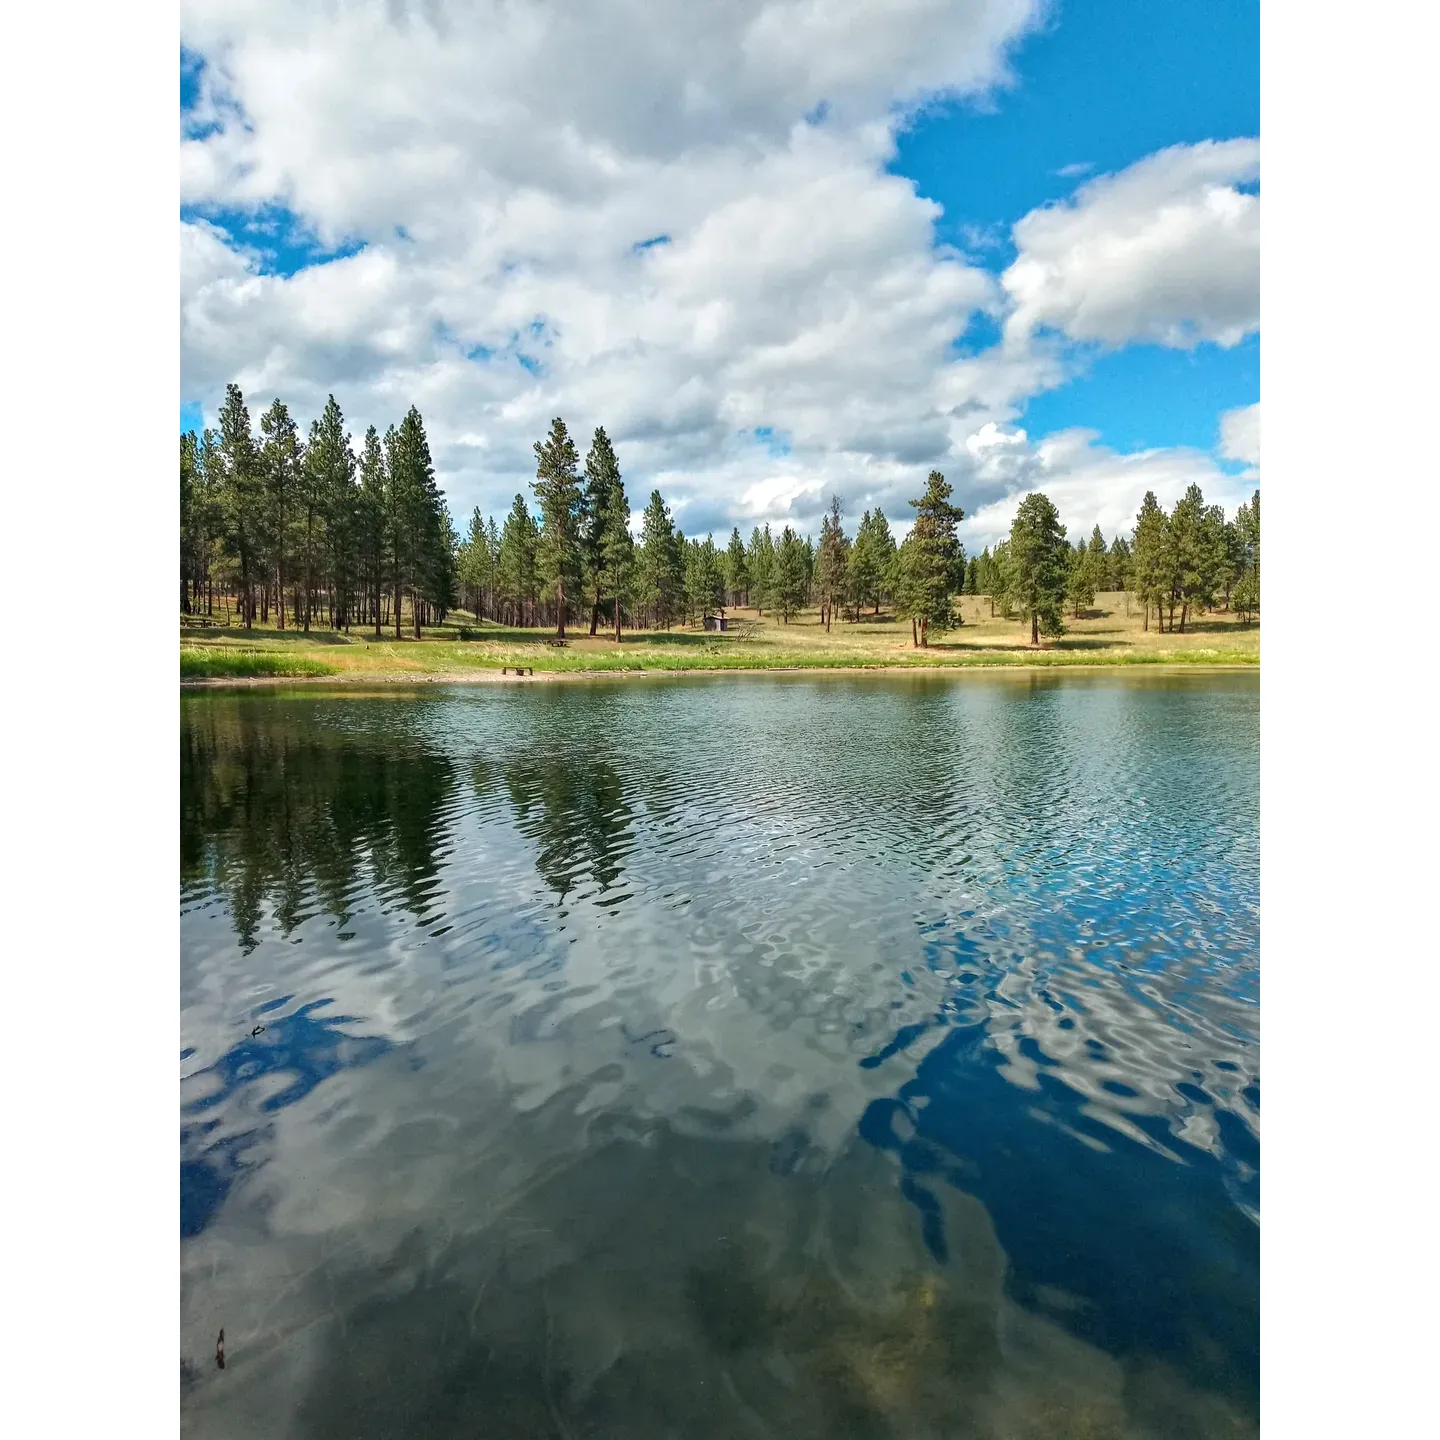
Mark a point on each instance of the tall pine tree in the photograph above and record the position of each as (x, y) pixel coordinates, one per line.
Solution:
(932, 562)
(832, 562)
(1038, 565)
(557, 489)
(281, 459)
(737, 569)
(660, 571)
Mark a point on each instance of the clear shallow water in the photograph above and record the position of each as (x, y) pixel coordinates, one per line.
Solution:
(763, 1056)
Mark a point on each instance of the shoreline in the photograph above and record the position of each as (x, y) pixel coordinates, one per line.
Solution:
(494, 677)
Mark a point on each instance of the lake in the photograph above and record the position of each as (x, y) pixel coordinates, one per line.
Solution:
(743, 1056)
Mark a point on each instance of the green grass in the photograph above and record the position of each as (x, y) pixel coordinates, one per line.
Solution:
(1104, 635)
(233, 664)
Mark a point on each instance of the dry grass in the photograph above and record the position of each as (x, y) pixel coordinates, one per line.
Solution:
(1105, 635)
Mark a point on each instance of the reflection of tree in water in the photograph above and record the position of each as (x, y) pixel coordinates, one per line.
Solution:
(577, 811)
(277, 809)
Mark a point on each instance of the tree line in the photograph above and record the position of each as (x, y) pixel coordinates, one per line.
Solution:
(307, 529)
(277, 523)
(1193, 559)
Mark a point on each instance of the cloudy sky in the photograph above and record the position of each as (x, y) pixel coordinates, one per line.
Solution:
(778, 248)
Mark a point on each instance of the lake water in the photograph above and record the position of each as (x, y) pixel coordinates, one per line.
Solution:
(756, 1056)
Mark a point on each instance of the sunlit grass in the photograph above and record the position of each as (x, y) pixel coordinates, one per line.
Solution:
(1104, 635)
(226, 663)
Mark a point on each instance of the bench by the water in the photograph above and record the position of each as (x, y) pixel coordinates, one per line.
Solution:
(518, 669)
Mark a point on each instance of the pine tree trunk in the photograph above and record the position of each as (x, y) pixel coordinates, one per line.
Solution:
(397, 609)
(415, 611)
(1034, 628)
(617, 619)
(1184, 609)
(560, 609)
(914, 635)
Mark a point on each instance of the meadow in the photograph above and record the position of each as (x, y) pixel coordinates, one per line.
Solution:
(1111, 632)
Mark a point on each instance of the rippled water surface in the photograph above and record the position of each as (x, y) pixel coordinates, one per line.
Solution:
(759, 1056)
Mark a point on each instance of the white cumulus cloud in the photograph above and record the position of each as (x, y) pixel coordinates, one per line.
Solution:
(1240, 434)
(1094, 485)
(1165, 252)
(675, 220)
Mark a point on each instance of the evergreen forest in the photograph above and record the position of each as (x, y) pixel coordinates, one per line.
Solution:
(319, 531)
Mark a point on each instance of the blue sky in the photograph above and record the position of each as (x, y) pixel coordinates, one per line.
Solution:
(1020, 245)
(1102, 86)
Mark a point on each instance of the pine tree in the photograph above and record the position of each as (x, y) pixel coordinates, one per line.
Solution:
(704, 578)
(1118, 565)
(189, 486)
(972, 576)
(932, 563)
(201, 523)
(1147, 559)
(862, 580)
(831, 563)
(1097, 558)
(476, 565)
(1087, 574)
(516, 563)
(372, 514)
(737, 569)
(602, 476)
(1037, 562)
(660, 574)
(617, 548)
(331, 460)
(1078, 589)
(885, 551)
(492, 538)
(1216, 536)
(557, 489)
(242, 496)
(1246, 594)
(1002, 582)
(790, 579)
(1186, 554)
(422, 537)
(207, 518)
(281, 458)
(1234, 557)
(761, 560)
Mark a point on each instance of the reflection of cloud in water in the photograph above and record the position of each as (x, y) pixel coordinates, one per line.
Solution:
(228, 1102)
(640, 1282)
(1016, 987)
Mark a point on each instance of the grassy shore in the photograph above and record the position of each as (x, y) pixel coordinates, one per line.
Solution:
(1103, 635)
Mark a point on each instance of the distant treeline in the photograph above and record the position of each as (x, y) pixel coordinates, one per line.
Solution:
(311, 532)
